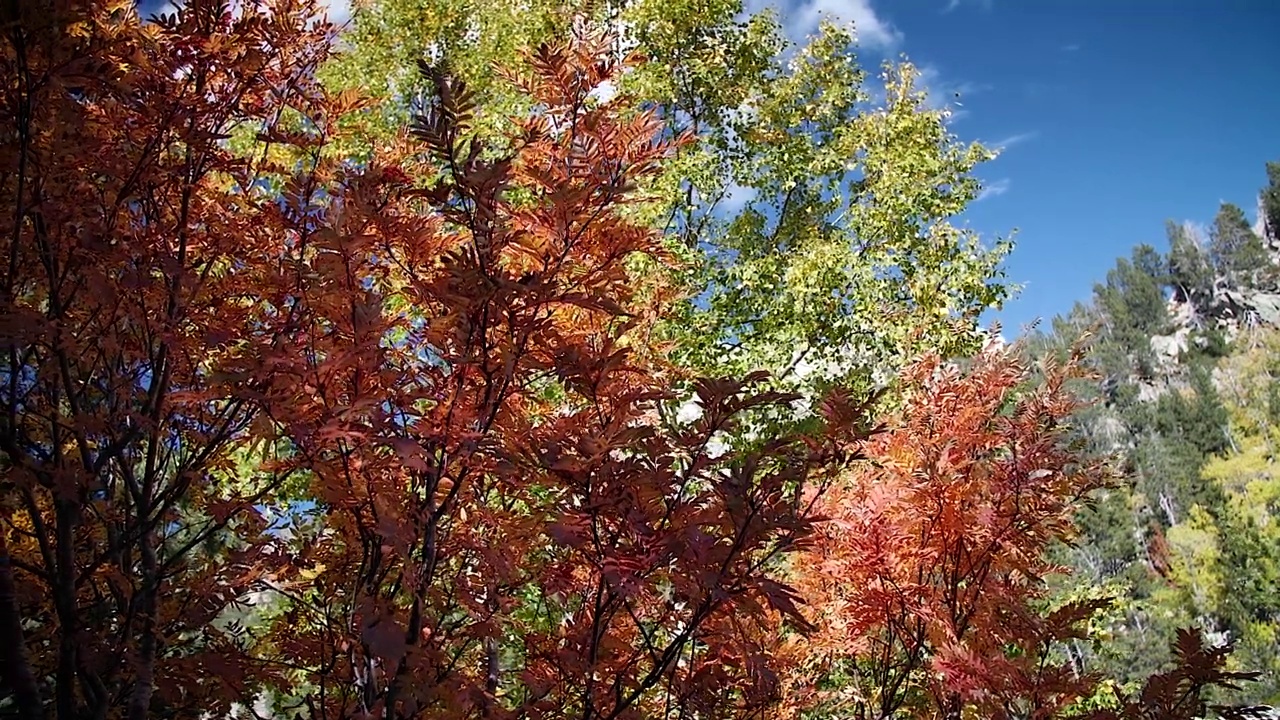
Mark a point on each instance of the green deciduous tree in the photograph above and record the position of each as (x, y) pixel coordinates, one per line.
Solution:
(1248, 559)
(811, 208)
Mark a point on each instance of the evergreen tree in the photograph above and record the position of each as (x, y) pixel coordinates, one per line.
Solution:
(1271, 202)
(1190, 270)
(1237, 252)
(1191, 534)
(1133, 303)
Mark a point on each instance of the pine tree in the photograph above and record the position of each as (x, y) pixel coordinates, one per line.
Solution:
(1190, 270)
(1237, 253)
(1133, 303)
(1271, 203)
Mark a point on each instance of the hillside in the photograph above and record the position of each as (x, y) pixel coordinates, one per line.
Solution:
(1188, 346)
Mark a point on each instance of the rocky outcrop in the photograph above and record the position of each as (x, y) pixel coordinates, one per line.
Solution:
(1168, 348)
(1242, 309)
(1256, 307)
(1232, 303)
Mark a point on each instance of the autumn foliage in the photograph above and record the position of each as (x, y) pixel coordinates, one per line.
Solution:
(150, 295)
(926, 579)
(433, 352)
(304, 435)
(931, 567)
(509, 530)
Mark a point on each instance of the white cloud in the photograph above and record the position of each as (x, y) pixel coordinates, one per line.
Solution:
(986, 5)
(690, 411)
(802, 19)
(993, 337)
(1072, 47)
(604, 92)
(716, 446)
(942, 93)
(1016, 139)
(995, 188)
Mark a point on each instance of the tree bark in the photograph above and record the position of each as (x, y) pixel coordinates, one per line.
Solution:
(15, 665)
(144, 682)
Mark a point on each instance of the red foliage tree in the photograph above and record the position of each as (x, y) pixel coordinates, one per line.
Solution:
(926, 582)
(509, 530)
(149, 291)
(450, 365)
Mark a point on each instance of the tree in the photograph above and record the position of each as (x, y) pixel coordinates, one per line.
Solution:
(927, 583)
(510, 529)
(1247, 564)
(930, 585)
(296, 432)
(1237, 252)
(1190, 269)
(812, 225)
(1271, 203)
(428, 368)
(1132, 305)
(1172, 542)
(1180, 693)
(151, 300)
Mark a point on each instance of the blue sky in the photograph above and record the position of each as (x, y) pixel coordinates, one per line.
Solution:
(1116, 115)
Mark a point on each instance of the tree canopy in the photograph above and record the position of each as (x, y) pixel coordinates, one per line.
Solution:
(421, 371)
(811, 206)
